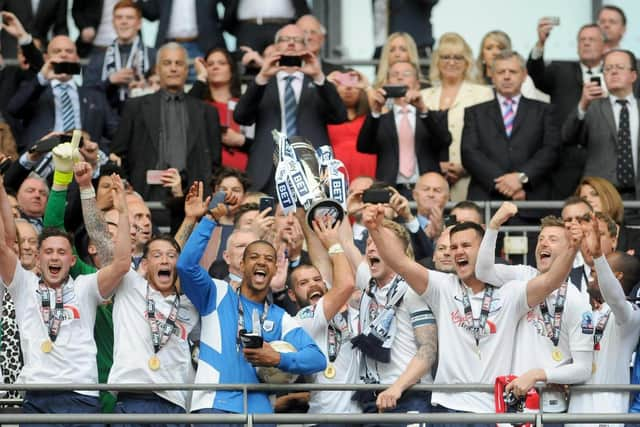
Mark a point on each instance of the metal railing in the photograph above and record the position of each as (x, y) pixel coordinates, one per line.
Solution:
(249, 418)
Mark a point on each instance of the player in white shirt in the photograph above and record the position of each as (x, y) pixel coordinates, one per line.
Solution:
(613, 329)
(152, 322)
(476, 322)
(56, 314)
(329, 320)
(550, 346)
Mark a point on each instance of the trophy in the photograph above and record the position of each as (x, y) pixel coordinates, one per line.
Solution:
(311, 178)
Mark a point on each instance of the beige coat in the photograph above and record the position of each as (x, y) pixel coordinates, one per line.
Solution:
(468, 95)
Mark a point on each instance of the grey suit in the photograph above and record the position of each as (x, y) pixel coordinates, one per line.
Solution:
(598, 132)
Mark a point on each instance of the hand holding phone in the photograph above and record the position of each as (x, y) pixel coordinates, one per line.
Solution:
(250, 340)
(154, 177)
(290, 61)
(395, 91)
(267, 202)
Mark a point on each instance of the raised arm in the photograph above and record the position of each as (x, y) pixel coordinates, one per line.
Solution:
(109, 277)
(539, 287)
(318, 254)
(343, 280)
(10, 234)
(391, 250)
(8, 258)
(194, 208)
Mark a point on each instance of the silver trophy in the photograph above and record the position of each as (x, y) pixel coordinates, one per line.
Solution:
(311, 179)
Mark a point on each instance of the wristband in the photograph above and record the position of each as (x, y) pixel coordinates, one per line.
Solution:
(62, 178)
(336, 248)
(87, 193)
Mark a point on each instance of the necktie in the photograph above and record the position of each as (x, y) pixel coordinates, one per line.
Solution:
(290, 108)
(625, 172)
(508, 115)
(406, 145)
(68, 119)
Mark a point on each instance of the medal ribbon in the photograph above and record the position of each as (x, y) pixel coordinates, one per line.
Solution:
(160, 334)
(52, 323)
(600, 327)
(254, 318)
(476, 325)
(553, 331)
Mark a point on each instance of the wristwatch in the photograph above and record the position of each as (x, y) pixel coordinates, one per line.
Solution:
(523, 178)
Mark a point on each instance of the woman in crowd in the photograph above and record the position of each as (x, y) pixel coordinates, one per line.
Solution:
(218, 83)
(492, 43)
(603, 197)
(344, 137)
(398, 47)
(454, 78)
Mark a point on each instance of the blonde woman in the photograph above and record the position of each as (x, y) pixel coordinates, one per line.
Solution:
(455, 87)
(399, 47)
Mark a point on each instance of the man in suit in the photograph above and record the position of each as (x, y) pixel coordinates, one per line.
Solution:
(47, 15)
(54, 102)
(254, 26)
(408, 139)
(315, 33)
(563, 81)
(509, 144)
(125, 62)
(295, 100)
(613, 22)
(168, 129)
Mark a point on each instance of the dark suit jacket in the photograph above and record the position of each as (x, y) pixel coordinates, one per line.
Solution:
(629, 238)
(209, 25)
(230, 19)
(598, 133)
(380, 136)
(51, 15)
(33, 104)
(317, 107)
(488, 153)
(137, 140)
(562, 80)
(413, 17)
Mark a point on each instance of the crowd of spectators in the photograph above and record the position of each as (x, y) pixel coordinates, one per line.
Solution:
(223, 284)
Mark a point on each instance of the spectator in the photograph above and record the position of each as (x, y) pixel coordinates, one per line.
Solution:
(305, 102)
(27, 244)
(194, 24)
(54, 102)
(141, 226)
(236, 244)
(491, 45)
(218, 83)
(255, 26)
(125, 62)
(608, 125)
(453, 75)
(354, 208)
(431, 195)
(94, 20)
(467, 211)
(315, 34)
(344, 136)
(613, 23)
(399, 47)
(509, 145)
(408, 139)
(39, 19)
(576, 211)
(32, 200)
(442, 258)
(168, 130)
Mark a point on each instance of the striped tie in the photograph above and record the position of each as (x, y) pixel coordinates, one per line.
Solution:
(508, 115)
(68, 117)
(290, 108)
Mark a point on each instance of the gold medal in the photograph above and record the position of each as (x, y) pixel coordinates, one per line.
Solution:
(594, 368)
(46, 346)
(330, 372)
(556, 354)
(154, 363)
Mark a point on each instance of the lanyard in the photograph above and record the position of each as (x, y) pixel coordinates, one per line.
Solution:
(52, 323)
(374, 307)
(553, 331)
(600, 327)
(167, 327)
(339, 331)
(476, 325)
(255, 318)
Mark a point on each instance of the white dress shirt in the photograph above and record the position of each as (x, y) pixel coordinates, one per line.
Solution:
(183, 23)
(634, 122)
(260, 9)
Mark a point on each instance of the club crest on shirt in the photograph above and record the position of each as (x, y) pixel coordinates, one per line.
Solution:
(268, 325)
(535, 320)
(587, 323)
(307, 312)
(180, 330)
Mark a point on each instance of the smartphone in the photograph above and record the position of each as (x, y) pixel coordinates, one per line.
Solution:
(46, 145)
(348, 79)
(290, 61)
(597, 79)
(395, 91)
(66, 67)
(450, 220)
(376, 195)
(267, 202)
(250, 340)
(216, 199)
(154, 177)
(553, 20)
